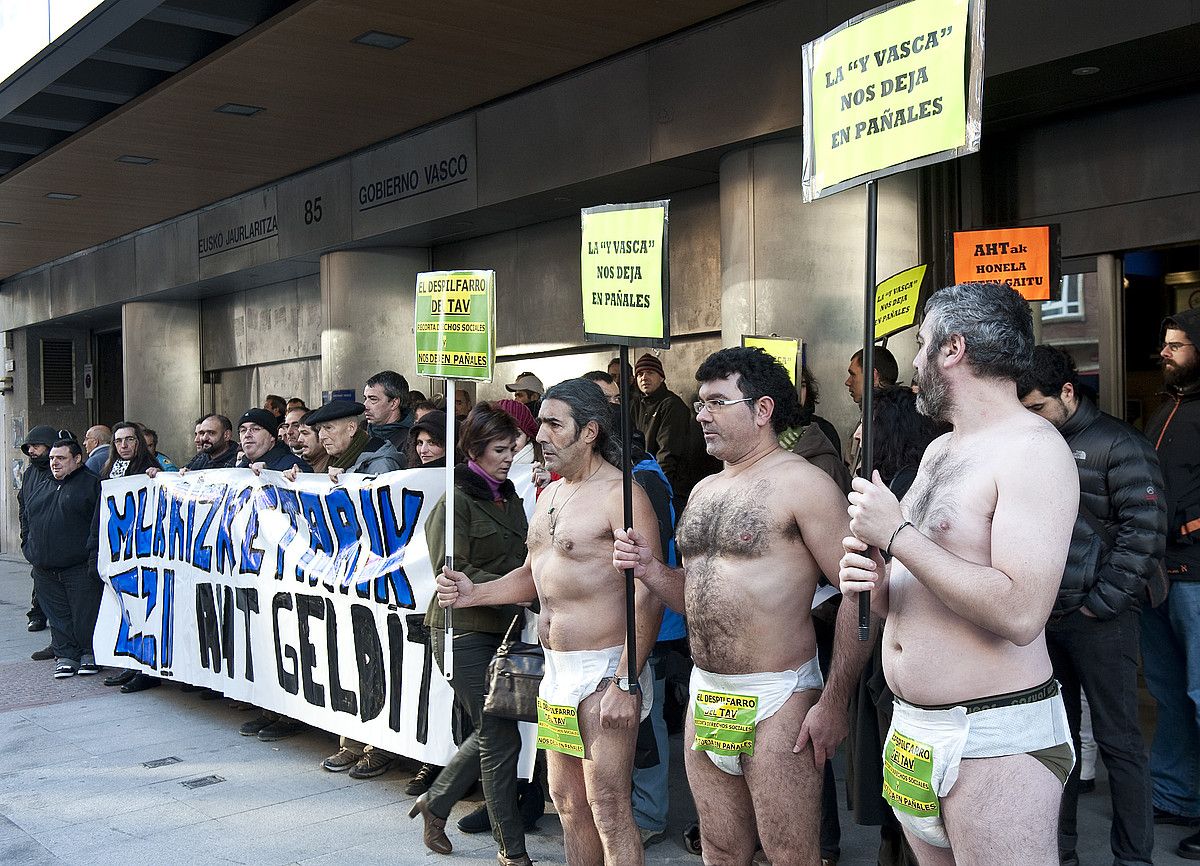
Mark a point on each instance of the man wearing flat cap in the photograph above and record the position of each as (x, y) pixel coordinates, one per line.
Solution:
(672, 434)
(340, 429)
(258, 430)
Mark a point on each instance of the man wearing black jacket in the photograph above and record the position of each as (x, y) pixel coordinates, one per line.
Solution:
(1171, 631)
(257, 430)
(1116, 548)
(57, 524)
(36, 447)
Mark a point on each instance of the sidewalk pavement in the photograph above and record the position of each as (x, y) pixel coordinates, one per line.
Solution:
(90, 775)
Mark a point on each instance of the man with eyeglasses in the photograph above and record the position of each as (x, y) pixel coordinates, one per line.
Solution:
(755, 538)
(1171, 631)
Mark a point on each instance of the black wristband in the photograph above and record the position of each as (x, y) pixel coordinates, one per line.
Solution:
(888, 552)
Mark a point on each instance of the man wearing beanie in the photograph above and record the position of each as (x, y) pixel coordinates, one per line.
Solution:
(257, 431)
(36, 475)
(672, 434)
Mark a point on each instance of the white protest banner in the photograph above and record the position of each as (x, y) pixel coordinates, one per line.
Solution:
(302, 597)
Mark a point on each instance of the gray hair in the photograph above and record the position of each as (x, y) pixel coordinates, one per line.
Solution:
(588, 403)
(994, 321)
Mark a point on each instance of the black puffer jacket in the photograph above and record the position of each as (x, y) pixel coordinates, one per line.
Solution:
(1175, 433)
(1120, 486)
(61, 520)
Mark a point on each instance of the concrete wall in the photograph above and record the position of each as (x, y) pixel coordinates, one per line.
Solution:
(161, 354)
(797, 269)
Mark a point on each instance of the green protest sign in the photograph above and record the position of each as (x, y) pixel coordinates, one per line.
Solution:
(625, 275)
(898, 87)
(455, 324)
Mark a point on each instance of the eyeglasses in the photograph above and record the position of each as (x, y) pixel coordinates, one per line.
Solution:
(1174, 347)
(713, 405)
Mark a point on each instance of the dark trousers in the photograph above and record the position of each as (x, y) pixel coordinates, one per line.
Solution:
(70, 598)
(1101, 656)
(35, 610)
(490, 752)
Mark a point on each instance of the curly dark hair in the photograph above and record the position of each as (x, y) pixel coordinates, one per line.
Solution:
(1050, 369)
(900, 433)
(760, 375)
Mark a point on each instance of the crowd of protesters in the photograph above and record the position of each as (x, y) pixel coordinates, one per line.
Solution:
(1018, 570)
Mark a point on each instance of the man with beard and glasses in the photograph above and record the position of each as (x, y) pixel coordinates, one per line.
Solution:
(1171, 631)
(979, 747)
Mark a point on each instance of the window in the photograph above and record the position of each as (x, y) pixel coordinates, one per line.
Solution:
(58, 373)
(1070, 303)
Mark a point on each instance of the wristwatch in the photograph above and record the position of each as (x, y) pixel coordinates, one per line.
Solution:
(622, 683)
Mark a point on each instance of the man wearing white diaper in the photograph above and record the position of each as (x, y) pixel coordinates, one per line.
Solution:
(755, 538)
(979, 747)
(587, 706)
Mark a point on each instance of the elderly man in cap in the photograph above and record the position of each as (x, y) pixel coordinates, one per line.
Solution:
(672, 434)
(340, 429)
(258, 431)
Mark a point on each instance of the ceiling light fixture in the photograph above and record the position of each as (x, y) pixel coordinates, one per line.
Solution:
(61, 196)
(9, 223)
(1085, 70)
(379, 39)
(239, 109)
(129, 159)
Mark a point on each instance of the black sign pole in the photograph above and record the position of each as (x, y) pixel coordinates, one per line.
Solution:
(627, 497)
(867, 447)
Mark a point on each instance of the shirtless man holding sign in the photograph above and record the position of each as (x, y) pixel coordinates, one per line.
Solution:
(588, 714)
(755, 538)
(979, 749)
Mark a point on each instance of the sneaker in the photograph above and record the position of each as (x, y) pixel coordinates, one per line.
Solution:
(252, 727)
(280, 729)
(476, 822)
(64, 669)
(651, 837)
(371, 764)
(420, 783)
(88, 666)
(36, 625)
(42, 655)
(341, 760)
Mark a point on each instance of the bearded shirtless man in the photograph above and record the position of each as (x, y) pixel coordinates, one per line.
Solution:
(755, 538)
(979, 749)
(582, 626)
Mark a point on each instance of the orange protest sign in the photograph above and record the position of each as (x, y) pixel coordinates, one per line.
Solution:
(1026, 258)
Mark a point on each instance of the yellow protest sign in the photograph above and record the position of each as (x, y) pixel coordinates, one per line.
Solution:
(896, 301)
(625, 274)
(782, 349)
(455, 324)
(896, 88)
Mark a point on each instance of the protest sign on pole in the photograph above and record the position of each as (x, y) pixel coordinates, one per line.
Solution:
(454, 329)
(1026, 258)
(785, 350)
(898, 87)
(896, 301)
(625, 277)
(895, 88)
(303, 597)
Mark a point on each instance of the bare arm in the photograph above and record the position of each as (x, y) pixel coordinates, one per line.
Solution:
(1037, 498)
(640, 549)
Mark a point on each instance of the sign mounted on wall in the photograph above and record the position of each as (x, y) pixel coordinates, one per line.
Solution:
(455, 324)
(898, 87)
(896, 301)
(625, 275)
(1027, 258)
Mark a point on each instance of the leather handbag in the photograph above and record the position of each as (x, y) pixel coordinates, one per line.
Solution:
(514, 677)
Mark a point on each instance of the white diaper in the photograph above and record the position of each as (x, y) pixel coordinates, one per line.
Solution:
(924, 747)
(768, 691)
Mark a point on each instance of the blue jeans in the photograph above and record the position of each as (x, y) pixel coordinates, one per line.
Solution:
(1171, 663)
(650, 785)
